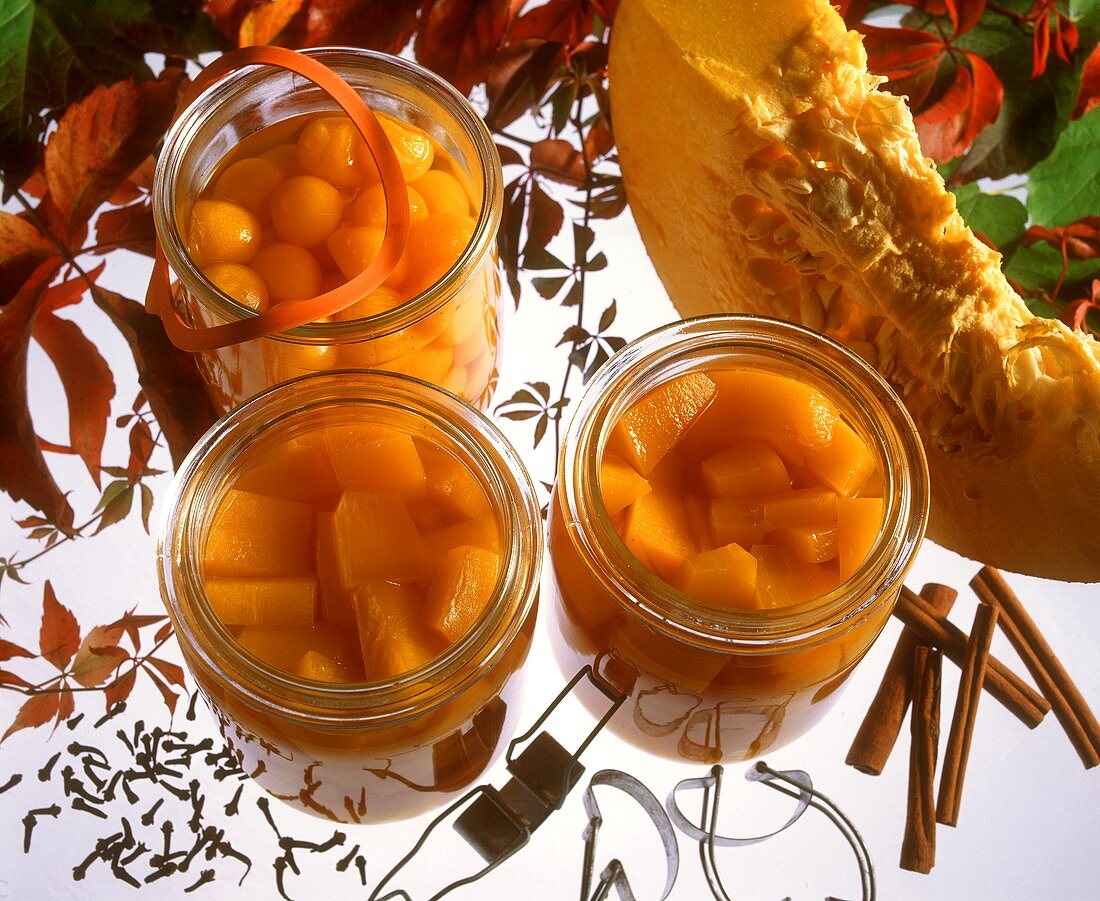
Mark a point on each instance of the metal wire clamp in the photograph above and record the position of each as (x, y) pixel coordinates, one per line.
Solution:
(801, 789)
(496, 823)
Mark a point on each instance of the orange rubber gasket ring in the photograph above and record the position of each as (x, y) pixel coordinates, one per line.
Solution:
(291, 314)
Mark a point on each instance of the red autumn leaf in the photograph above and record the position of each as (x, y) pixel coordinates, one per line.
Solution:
(598, 143)
(88, 383)
(22, 249)
(565, 21)
(459, 38)
(1064, 39)
(544, 219)
(59, 635)
(130, 227)
(1074, 314)
(163, 632)
(559, 160)
(70, 291)
(98, 656)
(132, 622)
(119, 690)
(227, 15)
(167, 374)
(141, 448)
(7, 678)
(36, 711)
(99, 142)
(173, 672)
(949, 126)
(1089, 97)
(65, 705)
(851, 10)
(374, 24)
(23, 471)
(9, 649)
(169, 696)
(519, 78)
(263, 22)
(1079, 240)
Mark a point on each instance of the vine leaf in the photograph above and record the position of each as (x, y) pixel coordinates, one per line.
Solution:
(519, 78)
(1088, 98)
(1063, 187)
(99, 142)
(459, 38)
(10, 650)
(564, 21)
(167, 374)
(98, 656)
(545, 218)
(129, 226)
(23, 471)
(375, 24)
(22, 249)
(38, 710)
(264, 21)
(558, 159)
(59, 635)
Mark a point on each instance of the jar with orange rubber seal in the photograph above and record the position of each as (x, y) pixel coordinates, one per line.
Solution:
(268, 195)
(351, 562)
(737, 502)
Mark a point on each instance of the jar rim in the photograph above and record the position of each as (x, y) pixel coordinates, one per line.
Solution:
(204, 476)
(668, 351)
(183, 131)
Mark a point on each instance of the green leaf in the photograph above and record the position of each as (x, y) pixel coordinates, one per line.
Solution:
(53, 52)
(999, 217)
(1034, 112)
(1065, 187)
(1038, 267)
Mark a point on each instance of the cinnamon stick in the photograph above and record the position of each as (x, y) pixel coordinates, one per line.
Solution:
(1065, 698)
(1020, 698)
(963, 719)
(918, 847)
(882, 724)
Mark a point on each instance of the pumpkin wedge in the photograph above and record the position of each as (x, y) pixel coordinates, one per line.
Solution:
(752, 133)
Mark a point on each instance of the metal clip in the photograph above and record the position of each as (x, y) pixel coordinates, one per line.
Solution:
(497, 823)
(804, 793)
(613, 874)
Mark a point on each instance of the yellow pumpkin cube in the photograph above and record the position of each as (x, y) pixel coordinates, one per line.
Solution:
(376, 539)
(745, 469)
(782, 579)
(858, 523)
(463, 584)
(723, 577)
(287, 601)
(812, 543)
(845, 463)
(298, 470)
(738, 519)
(653, 425)
(284, 646)
(392, 639)
(257, 535)
(658, 532)
(371, 457)
(335, 599)
(806, 506)
(620, 483)
(319, 668)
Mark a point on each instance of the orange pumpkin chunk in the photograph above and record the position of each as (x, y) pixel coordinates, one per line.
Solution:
(376, 539)
(723, 577)
(845, 463)
(812, 543)
(391, 637)
(369, 457)
(482, 533)
(739, 519)
(783, 579)
(298, 470)
(653, 425)
(658, 532)
(620, 483)
(319, 668)
(807, 506)
(335, 599)
(463, 585)
(284, 646)
(288, 601)
(257, 535)
(858, 523)
(455, 490)
(745, 469)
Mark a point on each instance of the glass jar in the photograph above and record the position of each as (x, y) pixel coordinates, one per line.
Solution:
(363, 751)
(446, 335)
(704, 684)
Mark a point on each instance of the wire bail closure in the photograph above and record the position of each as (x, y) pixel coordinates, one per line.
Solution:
(291, 314)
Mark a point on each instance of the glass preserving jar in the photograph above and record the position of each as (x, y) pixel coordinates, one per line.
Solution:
(365, 751)
(702, 683)
(446, 334)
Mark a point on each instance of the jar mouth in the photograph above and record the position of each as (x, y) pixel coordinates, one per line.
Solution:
(211, 467)
(344, 60)
(715, 341)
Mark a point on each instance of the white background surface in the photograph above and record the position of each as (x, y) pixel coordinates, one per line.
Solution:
(1030, 821)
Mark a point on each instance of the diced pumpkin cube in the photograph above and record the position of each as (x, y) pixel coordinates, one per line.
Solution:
(463, 584)
(372, 457)
(283, 646)
(319, 668)
(697, 510)
(791, 416)
(391, 637)
(335, 599)
(724, 577)
(858, 523)
(812, 543)
(376, 539)
(427, 515)
(845, 463)
(737, 519)
(257, 535)
(806, 506)
(745, 469)
(298, 470)
(658, 533)
(620, 483)
(287, 601)
(782, 579)
(452, 486)
(653, 425)
(483, 533)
